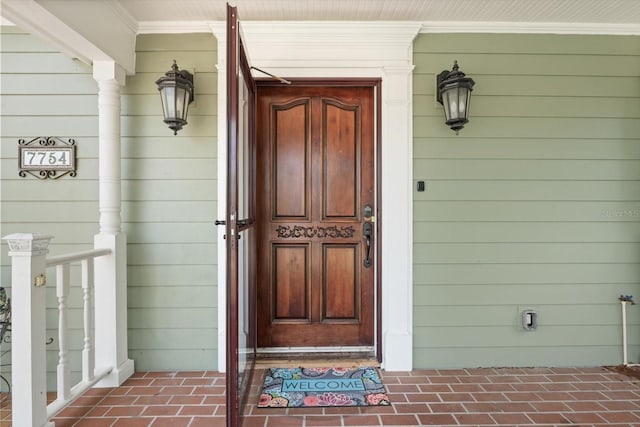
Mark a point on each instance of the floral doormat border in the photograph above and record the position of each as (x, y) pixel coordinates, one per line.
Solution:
(315, 387)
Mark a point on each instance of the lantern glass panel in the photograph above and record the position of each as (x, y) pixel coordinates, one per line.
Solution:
(168, 96)
(468, 102)
(449, 103)
(463, 98)
(182, 103)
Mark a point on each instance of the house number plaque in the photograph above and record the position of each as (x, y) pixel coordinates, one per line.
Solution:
(47, 157)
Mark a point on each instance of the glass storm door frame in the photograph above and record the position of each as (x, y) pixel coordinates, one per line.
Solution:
(240, 223)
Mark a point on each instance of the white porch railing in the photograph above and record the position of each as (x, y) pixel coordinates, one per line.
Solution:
(65, 392)
(28, 276)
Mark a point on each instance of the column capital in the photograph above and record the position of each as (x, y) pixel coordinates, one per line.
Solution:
(108, 70)
(28, 244)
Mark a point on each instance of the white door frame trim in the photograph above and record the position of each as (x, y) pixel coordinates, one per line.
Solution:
(346, 49)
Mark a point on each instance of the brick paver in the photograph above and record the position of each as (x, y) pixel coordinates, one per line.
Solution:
(463, 397)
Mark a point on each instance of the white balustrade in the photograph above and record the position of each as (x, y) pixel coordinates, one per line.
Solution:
(65, 391)
(29, 264)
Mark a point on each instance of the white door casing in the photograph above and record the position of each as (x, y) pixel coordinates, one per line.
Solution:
(343, 50)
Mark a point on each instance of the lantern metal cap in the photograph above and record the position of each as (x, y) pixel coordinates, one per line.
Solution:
(177, 77)
(455, 76)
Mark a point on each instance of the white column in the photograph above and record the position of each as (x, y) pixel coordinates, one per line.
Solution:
(28, 355)
(220, 32)
(110, 77)
(397, 212)
(110, 271)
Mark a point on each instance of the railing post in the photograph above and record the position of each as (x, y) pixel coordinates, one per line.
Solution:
(88, 355)
(64, 368)
(28, 365)
(111, 347)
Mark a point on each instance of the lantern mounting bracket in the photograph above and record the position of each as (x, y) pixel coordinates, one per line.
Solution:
(439, 79)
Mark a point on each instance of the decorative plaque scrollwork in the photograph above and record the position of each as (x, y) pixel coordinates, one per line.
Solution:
(298, 231)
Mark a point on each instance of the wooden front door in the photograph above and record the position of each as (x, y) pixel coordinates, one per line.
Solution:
(315, 216)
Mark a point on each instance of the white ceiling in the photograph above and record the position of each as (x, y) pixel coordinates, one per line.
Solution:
(539, 11)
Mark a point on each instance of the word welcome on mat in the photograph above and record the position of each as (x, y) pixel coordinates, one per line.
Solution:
(306, 387)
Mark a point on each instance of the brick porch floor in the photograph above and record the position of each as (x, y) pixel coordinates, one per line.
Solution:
(466, 397)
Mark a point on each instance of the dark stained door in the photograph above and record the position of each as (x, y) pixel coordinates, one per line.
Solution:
(315, 208)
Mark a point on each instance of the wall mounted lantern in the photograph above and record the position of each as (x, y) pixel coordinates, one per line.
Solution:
(176, 93)
(454, 92)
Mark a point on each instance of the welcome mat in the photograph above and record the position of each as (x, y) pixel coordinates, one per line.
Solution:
(308, 387)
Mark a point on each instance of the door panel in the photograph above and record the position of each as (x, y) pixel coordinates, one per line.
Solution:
(290, 282)
(315, 175)
(290, 162)
(341, 166)
(340, 282)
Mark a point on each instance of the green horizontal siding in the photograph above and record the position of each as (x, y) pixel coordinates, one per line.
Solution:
(533, 64)
(167, 359)
(170, 211)
(173, 275)
(523, 44)
(517, 169)
(179, 253)
(517, 252)
(44, 62)
(566, 90)
(40, 105)
(81, 128)
(537, 127)
(624, 275)
(169, 188)
(162, 232)
(530, 210)
(174, 296)
(539, 106)
(169, 169)
(526, 232)
(529, 148)
(523, 190)
(494, 315)
(45, 93)
(170, 203)
(591, 355)
(523, 294)
(168, 147)
(534, 205)
(76, 190)
(50, 84)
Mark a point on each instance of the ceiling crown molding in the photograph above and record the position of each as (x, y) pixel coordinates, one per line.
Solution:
(175, 27)
(529, 28)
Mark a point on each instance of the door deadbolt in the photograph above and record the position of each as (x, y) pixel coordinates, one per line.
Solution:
(367, 212)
